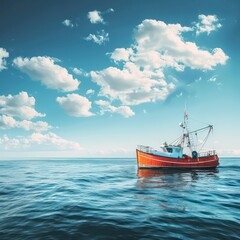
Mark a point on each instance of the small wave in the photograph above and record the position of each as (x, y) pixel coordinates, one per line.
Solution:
(89, 200)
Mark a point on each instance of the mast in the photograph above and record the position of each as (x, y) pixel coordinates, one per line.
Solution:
(187, 134)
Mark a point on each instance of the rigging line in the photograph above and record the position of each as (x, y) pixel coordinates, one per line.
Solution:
(201, 129)
(197, 140)
(205, 140)
(213, 140)
(199, 121)
(176, 140)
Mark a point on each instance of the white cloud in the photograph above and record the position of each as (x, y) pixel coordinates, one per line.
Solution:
(166, 44)
(38, 126)
(105, 106)
(75, 105)
(110, 10)
(131, 85)
(157, 46)
(8, 122)
(78, 71)
(95, 17)
(8, 144)
(24, 112)
(45, 70)
(90, 92)
(212, 79)
(153, 59)
(207, 24)
(68, 23)
(3, 54)
(99, 38)
(53, 139)
(20, 105)
(50, 141)
(121, 54)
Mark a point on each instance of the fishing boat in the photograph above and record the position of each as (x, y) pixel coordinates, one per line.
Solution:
(184, 152)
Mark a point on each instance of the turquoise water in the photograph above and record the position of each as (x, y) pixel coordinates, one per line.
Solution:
(111, 199)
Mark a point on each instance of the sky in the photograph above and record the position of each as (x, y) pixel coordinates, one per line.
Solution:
(96, 78)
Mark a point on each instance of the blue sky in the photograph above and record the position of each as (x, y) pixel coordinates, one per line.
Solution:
(97, 78)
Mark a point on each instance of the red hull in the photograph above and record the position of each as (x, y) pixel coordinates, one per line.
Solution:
(147, 160)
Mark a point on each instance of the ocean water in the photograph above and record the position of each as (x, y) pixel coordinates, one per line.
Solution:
(111, 199)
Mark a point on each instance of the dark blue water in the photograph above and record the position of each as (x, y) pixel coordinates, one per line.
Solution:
(110, 199)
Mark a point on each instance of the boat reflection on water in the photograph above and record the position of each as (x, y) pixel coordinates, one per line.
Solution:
(148, 173)
(171, 178)
(170, 191)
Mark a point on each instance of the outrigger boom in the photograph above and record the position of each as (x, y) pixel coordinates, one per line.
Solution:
(198, 130)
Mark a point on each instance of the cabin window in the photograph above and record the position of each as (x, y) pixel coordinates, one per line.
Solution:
(169, 150)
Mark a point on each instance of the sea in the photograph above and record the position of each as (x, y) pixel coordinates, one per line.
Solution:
(112, 199)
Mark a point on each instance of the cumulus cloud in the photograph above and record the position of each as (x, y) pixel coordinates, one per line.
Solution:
(3, 54)
(213, 79)
(20, 105)
(75, 105)
(121, 54)
(90, 92)
(166, 43)
(53, 139)
(45, 70)
(50, 141)
(157, 47)
(8, 122)
(11, 143)
(207, 24)
(105, 106)
(131, 85)
(95, 17)
(99, 38)
(39, 126)
(78, 71)
(68, 23)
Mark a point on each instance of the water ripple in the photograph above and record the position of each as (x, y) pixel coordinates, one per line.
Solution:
(111, 199)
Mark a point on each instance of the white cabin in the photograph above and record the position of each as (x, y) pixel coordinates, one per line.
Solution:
(167, 150)
(172, 150)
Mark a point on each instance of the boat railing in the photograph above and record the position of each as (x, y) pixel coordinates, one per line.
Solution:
(146, 149)
(208, 153)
